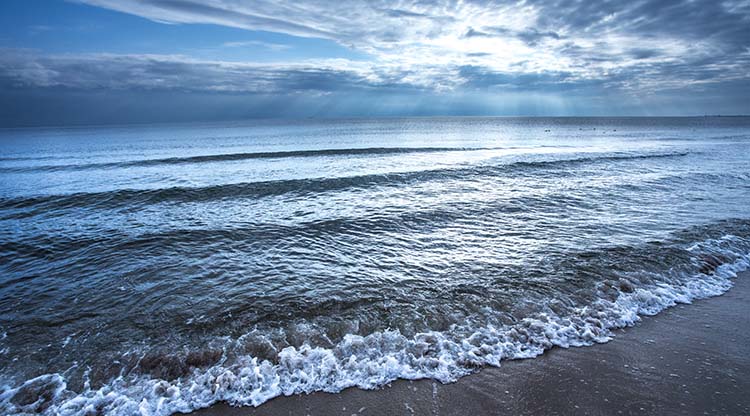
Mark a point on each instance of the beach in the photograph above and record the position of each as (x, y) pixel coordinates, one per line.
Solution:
(688, 360)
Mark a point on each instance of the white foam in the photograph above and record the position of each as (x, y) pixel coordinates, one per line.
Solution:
(372, 361)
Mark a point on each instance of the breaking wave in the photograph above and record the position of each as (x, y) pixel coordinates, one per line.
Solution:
(165, 384)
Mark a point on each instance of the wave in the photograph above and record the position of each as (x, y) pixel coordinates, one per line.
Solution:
(228, 157)
(55, 247)
(135, 198)
(63, 246)
(381, 357)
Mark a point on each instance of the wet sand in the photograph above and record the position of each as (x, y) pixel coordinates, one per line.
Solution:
(688, 360)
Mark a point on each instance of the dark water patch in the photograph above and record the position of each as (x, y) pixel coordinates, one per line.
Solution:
(169, 366)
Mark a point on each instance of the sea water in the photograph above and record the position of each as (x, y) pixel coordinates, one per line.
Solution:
(162, 268)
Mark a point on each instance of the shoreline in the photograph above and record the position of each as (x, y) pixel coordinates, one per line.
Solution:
(689, 359)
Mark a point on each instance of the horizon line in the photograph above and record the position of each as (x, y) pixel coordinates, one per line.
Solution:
(333, 118)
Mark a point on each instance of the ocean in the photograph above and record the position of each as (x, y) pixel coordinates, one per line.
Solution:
(157, 269)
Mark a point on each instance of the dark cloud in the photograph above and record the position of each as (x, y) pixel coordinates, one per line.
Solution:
(23, 69)
(644, 53)
(725, 21)
(484, 79)
(404, 13)
(531, 37)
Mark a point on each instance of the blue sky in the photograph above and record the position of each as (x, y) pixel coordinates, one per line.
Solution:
(120, 61)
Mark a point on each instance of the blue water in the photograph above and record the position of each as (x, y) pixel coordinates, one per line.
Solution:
(162, 268)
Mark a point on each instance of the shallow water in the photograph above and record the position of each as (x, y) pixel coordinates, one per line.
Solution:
(156, 269)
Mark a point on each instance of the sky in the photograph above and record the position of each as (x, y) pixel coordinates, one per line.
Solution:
(133, 61)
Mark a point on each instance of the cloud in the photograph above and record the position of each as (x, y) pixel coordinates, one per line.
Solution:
(583, 38)
(648, 73)
(21, 69)
(372, 23)
(423, 57)
(256, 44)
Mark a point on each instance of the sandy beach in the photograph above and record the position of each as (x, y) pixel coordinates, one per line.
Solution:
(688, 360)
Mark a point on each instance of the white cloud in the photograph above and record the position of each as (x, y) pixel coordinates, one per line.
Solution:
(256, 44)
(438, 45)
(422, 40)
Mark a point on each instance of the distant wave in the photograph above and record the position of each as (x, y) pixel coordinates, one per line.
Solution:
(238, 156)
(55, 247)
(132, 198)
(58, 246)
